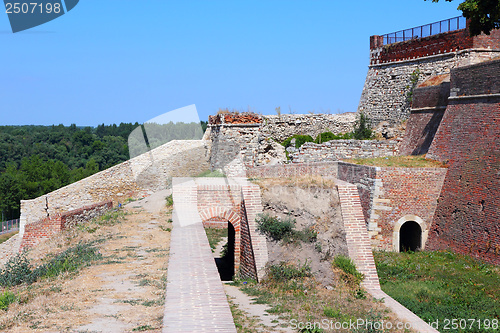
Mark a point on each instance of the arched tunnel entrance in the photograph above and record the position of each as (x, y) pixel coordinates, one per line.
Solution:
(225, 263)
(410, 237)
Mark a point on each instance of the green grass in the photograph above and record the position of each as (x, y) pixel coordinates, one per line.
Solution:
(398, 161)
(214, 236)
(209, 173)
(284, 229)
(442, 285)
(7, 236)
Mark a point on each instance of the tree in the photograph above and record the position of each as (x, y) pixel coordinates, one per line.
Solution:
(484, 15)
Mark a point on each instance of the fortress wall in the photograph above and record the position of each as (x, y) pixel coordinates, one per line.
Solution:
(388, 195)
(286, 125)
(134, 178)
(336, 150)
(385, 93)
(468, 140)
(427, 111)
(252, 139)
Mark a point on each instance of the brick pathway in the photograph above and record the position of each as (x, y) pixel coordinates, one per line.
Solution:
(195, 299)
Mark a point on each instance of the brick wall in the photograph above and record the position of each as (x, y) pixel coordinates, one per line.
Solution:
(37, 232)
(427, 111)
(388, 195)
(248, 268)
(238, 202)
(468, 139)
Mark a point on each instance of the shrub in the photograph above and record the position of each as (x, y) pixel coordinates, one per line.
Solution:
(17, 271)
(170, 200)
(351, 274)
(362, 130)
(6, 299)
(299, 140)
(328, 136)
(307, 235)
(284, 272)
(70, 260)
(275, 227)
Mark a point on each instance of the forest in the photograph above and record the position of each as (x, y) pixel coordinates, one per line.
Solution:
(35, 160)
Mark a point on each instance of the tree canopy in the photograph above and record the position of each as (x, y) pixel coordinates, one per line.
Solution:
(484, 15)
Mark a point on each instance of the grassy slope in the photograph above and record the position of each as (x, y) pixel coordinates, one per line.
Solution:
(442, 285)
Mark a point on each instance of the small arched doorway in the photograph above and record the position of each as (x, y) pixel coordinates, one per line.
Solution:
(410, 237)
(225, 263)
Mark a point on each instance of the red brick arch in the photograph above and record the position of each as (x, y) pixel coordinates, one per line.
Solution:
(232, 217)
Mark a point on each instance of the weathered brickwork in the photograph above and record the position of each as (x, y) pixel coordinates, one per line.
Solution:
(336, 150)
(385, 94)
(428, 107)
(358, 240)
(247, 265)
(34, 233)
(220, 199)
(468, 140)
(389, 195)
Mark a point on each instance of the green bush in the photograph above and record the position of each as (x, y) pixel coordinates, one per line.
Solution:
(17, 271)
(284, 272)
(299, 140)
(362, 130)
(328, 136)
(170, 200)
(307, 235)
(275, 227)
(6, 299)
(81, 255)
(351, 274)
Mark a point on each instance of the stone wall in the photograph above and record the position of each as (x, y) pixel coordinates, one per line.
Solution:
(35, 233)
(385, 93)
(336, 150)
(286, 125)
(135, 178)
(240, 141)
(468, 140)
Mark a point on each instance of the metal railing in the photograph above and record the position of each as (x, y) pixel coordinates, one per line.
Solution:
(9, 226)
(427, 30)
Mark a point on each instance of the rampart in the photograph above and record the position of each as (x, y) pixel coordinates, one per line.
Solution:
(134, 178)
(468, 140)
(394, 68)
(389, 196)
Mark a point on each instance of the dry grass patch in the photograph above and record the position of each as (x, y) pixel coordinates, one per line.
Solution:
(133, 245)
(5, 237)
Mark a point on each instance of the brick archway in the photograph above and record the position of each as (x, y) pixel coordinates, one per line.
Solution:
(231, 216)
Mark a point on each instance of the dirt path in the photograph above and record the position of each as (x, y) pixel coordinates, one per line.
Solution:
(123, 293)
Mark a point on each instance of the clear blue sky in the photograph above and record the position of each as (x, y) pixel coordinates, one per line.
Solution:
(112, 61)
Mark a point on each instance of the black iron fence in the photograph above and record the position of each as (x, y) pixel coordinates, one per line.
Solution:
(9, 226)
(435, 28)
